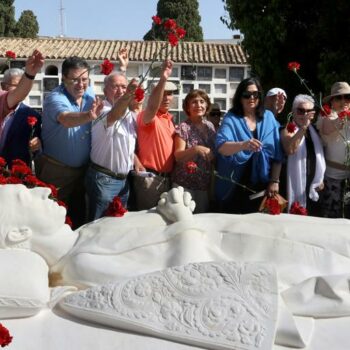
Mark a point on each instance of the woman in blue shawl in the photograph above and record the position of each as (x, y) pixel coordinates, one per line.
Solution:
(249, 151)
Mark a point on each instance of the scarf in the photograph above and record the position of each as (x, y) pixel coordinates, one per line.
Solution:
(296, 171)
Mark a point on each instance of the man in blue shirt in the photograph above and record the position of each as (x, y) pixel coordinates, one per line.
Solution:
(66, 133)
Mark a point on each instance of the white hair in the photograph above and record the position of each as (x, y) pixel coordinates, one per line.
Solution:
(114, 74)
(11, 73)
(298, 99)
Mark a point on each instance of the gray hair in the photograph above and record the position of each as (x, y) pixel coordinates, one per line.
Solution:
(298, 99)
(11, 73)
(114, 74)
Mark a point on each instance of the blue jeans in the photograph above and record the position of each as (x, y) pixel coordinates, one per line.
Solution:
(101, 189)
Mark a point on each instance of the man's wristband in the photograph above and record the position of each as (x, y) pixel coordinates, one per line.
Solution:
(29, 76)
(276, 181)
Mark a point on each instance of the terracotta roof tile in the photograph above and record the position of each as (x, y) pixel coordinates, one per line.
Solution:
(140, 51)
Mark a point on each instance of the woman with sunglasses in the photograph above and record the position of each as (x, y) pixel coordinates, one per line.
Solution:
(305, 159)
(249, 151)
(335, 132)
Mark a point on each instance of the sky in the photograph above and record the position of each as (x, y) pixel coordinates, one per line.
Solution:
(113, 19)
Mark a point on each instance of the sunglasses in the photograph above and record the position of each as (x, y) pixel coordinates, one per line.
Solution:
(342, 97)
(249, 94)
(215, 114)
(303, 111)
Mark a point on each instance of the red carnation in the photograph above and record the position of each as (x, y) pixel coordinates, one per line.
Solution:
(157, 20)
(31, 120)
(10, 54)
(13, 180)
(2, 162)
(344, 115)
(3, 180)
(139, 94)
(293, 66)
(173, 39)
(297, 209)
(68, 221)
(291, 127)
(170, 24)
(326, 110)
(272, 206)
(191, 167)
(18, 162)
(107, 67)
(5, 337)
(115, 208)
(180, 32)
(20, 170)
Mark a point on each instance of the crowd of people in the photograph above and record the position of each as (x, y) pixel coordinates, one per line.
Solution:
(95, 149)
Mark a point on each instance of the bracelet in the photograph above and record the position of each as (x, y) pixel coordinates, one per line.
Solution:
(122, 70)
(276, 181)
(29, 76)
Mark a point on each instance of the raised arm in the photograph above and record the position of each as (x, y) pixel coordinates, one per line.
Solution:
(73, 119)
(32, 67)
(123, 58)
(121, 105)
(157, 93)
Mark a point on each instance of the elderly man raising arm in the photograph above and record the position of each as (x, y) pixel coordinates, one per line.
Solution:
(16, 141)
(112, 147)
(9, 99)
(155, 137)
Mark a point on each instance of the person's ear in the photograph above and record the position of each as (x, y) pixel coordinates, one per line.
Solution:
(18, 235)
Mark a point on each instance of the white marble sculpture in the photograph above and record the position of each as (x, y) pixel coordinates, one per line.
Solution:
(214, 305)
(302, 249)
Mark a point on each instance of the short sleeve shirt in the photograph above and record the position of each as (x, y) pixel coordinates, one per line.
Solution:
(70, 146)
(156, 142)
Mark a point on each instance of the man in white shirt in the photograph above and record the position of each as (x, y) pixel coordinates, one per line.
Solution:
(113, 141)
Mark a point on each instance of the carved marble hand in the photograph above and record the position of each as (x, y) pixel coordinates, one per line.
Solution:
(176, 205)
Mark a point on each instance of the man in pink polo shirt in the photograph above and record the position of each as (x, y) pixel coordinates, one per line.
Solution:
(155, 138)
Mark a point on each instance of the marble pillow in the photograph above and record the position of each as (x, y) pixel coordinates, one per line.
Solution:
(213, 305)
(24, 287)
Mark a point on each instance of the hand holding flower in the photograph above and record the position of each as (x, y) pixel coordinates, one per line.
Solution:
(167, 68)
(252, 145)
(204, 152)
(34, 144)
(96, 109)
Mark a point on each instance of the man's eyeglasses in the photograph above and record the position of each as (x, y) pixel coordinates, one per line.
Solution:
(215, 114)
(303, 111)
(342, 97)
(249, 94)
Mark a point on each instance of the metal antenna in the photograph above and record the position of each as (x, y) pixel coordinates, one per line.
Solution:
(61, 9)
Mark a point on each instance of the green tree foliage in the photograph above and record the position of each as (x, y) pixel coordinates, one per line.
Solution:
(314, 33)
(7, 18)
(186, 14)
(27, 25)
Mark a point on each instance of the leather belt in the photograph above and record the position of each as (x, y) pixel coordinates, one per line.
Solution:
(337, 165)
(158, 173)
(60, 164)
(108, 172)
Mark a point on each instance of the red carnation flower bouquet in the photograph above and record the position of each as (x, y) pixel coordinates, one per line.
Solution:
(20, 173)
(174, 34)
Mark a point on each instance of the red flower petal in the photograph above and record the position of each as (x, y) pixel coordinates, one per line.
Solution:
(107, 67)
(293, 66)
